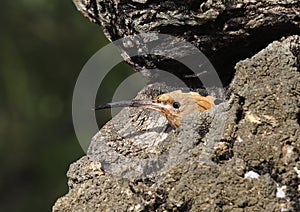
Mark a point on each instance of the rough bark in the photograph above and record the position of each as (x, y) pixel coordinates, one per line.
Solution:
(261, 134)
(137, 163)
(225, 31)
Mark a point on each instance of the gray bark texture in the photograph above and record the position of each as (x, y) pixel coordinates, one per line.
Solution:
(226, 31)
(242, 155)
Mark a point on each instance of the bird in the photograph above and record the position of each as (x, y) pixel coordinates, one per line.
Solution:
(174, 105)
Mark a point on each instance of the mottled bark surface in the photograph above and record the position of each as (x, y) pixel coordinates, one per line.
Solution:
(225, 31)
(137, 163)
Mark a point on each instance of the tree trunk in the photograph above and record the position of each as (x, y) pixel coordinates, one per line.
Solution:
(241, 155)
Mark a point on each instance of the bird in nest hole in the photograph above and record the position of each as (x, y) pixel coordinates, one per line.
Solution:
(173, 105)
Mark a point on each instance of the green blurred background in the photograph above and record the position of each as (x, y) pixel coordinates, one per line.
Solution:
(44, 45)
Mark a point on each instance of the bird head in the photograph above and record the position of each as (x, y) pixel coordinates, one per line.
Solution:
(174, 105)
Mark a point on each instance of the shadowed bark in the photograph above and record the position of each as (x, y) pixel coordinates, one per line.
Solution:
(225, 31)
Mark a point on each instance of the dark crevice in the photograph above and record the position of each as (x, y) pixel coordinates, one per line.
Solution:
(298, 117)
(240, 114)
(131, 188)
(265, 167)
(102, 7)
(225, 59)
(175, 68)
(228, 18)
(296, 53)
(220, 157)
(186, 206)
(229, 49)
(194, 5)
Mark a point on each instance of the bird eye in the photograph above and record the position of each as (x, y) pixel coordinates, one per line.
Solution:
(176, 105)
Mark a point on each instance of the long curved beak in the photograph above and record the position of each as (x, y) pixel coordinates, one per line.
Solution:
(152, 104)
